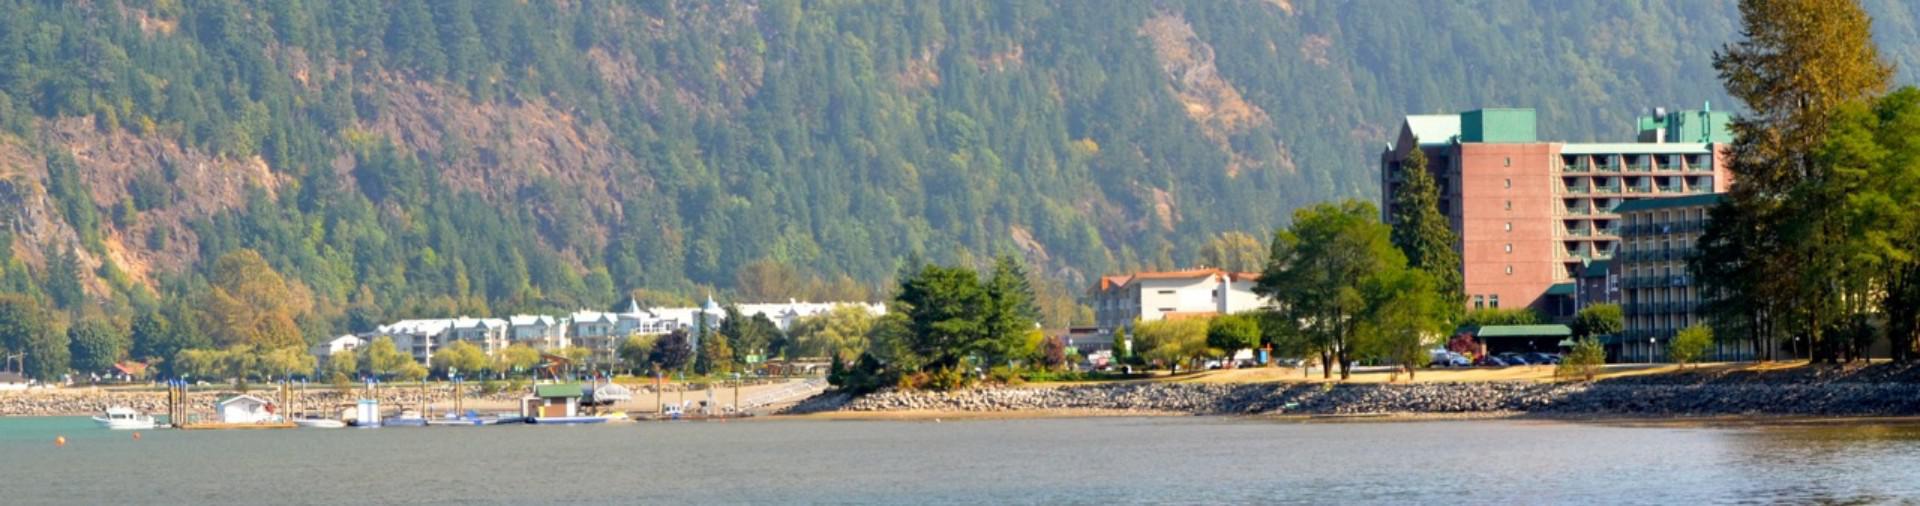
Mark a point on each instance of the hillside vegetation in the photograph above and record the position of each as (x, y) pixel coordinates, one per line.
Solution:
(411, 159)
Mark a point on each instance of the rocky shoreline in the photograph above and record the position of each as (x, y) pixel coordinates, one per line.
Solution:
(1626, 398)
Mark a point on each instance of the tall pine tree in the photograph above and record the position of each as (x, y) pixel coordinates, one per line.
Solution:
(1422, 232)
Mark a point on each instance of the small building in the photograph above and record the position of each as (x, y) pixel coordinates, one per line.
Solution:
(245, 409)
(343, 344)
(1153, 296)
(1522, 338)
(552, 401)
(13, 381)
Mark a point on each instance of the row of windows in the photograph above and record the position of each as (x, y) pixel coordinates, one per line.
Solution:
(1489, 301)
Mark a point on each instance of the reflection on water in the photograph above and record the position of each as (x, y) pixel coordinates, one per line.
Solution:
(1105, 460)
(1831, 463)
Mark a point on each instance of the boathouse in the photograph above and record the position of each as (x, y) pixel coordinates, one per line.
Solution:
(244, 409)
(555, 400)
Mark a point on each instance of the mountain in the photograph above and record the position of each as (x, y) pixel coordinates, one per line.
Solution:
(406, 158)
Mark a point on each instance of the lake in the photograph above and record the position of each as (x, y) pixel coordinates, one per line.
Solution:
(1050, 461)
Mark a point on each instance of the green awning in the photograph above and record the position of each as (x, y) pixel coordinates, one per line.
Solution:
(559, 390)
(1524, 331)
(1561, 289)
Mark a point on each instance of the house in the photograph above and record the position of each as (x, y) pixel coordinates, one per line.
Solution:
(489, 334)
(1152, 296)
(539, 331)
(245, 409)
(343, 344)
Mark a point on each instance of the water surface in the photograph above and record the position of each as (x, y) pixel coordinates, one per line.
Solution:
(1052, 461)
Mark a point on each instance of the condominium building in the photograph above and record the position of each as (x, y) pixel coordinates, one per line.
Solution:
(1152, 296)
(1659, 297)
(1532, 215)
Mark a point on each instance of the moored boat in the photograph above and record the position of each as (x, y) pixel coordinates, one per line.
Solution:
(407, 418)
(319, 423)
(566, 420)
(122, 418)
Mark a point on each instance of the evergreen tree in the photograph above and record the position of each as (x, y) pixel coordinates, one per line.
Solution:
(1423, 233)
(1010, 312)
(715, 356)
(26, 328)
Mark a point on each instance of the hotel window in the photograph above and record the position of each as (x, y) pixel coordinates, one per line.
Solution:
(1509, 269)
(1509, 182)
(1509, 161)
(1509, 205)
(1509, 226)
(1509, 247)
(1493, 301)
(1479, 302)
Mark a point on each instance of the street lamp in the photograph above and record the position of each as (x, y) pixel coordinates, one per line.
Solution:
(1649, 350)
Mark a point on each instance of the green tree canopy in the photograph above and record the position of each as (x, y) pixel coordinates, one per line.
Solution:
(1324, 271)
(1228, 334)
(95, 345)
(840, 332)
(1598, 320)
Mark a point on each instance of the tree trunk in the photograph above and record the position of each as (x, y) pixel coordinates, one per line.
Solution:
(1346, 364)
(1326, 364)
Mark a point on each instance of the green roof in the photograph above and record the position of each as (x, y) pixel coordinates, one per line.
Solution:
(1598, 268)
(1704, 199)
(1561, 289)
(1494, 125)
(1524, 331)
(559, 390)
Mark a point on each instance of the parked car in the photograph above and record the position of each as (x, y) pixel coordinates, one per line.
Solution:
(1512, 358)
(1490, 361)
(1543, 358)
(1448, 359)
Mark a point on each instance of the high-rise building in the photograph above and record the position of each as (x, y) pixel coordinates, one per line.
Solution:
(1532, 214)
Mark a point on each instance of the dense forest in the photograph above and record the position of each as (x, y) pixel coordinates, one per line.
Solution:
(396, 158)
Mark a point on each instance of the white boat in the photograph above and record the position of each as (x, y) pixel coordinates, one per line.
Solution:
(119, 418)
(319, 423)
(566, 420)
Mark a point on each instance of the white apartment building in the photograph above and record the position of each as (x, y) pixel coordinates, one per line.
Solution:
(1152, 296)
(542, 332)
(489, 334)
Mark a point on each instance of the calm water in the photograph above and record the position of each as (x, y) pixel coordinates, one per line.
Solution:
(1078, 461)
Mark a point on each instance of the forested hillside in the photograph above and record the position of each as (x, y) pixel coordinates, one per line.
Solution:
(412, 159)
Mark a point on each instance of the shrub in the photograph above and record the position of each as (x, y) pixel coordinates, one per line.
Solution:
(1584, 361)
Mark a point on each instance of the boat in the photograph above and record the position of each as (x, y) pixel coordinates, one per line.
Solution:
(473, 419)
(318, 423)
(122, 418)
(407, 418)
(566, 420)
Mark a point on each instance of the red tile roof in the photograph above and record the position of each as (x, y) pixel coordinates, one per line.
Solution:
(1112, 282)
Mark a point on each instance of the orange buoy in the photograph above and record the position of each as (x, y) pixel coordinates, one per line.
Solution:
(59, 440)
(136, 436)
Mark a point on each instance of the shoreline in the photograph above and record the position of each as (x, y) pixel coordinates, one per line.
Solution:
(1756, 420)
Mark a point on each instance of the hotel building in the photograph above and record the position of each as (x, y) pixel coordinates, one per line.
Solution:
(1533, 215)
